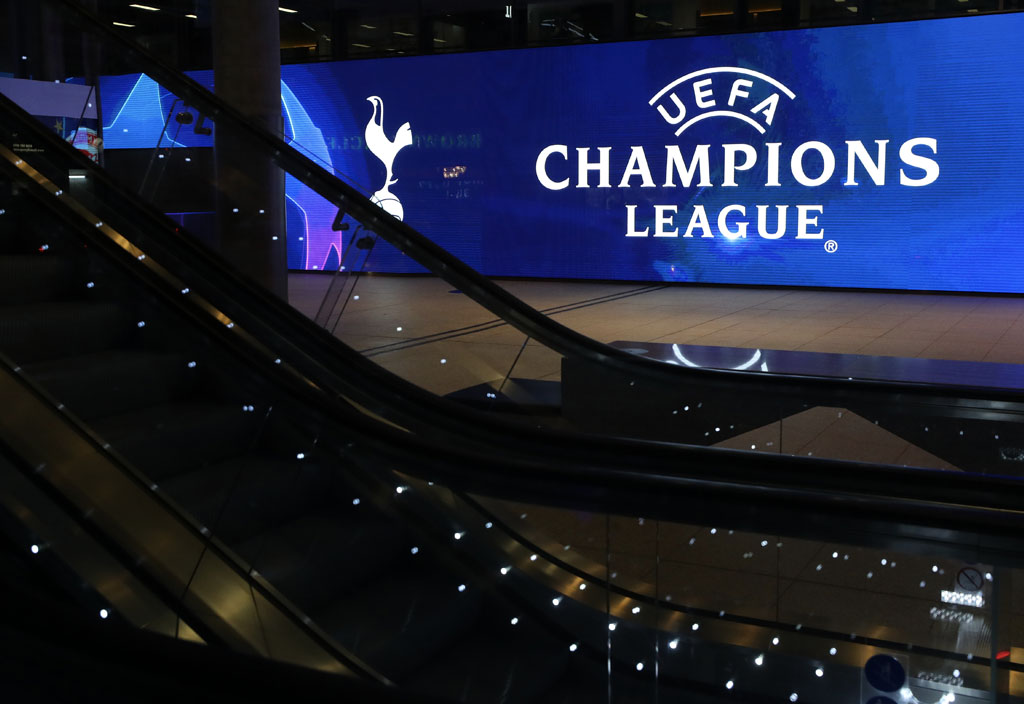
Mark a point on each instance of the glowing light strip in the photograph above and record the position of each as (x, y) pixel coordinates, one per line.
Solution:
(125, 103)
(305, 222)
(746, 365)
(967, 599)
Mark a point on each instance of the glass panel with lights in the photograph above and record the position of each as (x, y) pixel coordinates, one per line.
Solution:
(345, 520)
(166, 150)
(127, 399)
(264, 203)
(271, 521)
(730, 612)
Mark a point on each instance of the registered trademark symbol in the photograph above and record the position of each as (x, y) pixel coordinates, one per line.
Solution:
(831, 246)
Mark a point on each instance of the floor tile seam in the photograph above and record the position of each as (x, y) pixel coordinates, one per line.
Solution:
(752, 306)
(912, 447)
(799, 451)
(437, 337)
(611, 298)
(497, 323)
(780, 591)
(1001, 337)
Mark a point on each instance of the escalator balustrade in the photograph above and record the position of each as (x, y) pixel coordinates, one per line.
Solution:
(206, 432)
(389, 576)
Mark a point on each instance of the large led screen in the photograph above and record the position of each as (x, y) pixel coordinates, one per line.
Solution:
(876, 156)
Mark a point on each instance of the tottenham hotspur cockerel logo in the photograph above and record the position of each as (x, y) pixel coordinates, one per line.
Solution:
(386, 150)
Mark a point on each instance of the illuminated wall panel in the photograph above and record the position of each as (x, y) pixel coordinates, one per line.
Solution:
(878, 156)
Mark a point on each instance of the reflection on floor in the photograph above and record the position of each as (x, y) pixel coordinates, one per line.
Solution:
(424, 331)
(838, 434)
(421, 329)
(410, 324)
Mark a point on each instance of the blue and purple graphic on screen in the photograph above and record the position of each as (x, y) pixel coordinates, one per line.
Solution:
(876, 156)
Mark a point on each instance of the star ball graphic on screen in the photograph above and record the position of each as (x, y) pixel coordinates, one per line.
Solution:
(885, 155)
(702, 94)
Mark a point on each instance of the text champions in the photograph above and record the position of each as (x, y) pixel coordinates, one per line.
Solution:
(810, 164)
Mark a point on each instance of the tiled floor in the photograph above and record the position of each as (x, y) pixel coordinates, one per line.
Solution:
(410, 324)
(440, 339)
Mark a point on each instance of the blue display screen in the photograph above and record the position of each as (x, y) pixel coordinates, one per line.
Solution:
(878, 156)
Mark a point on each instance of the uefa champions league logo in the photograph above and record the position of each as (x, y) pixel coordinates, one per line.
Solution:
(686, 171)
(386, 150)
(673, 100)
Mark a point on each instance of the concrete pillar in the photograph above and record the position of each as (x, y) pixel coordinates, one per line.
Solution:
(250, 197)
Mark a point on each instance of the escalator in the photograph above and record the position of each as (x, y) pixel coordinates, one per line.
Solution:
(596, 380)
(268, 441)
(271, 475)
(321, 528)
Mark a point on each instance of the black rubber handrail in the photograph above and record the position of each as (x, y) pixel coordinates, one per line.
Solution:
(479, 288)
(654, 479)
(133, 564)
(698, 464)
(338, 369)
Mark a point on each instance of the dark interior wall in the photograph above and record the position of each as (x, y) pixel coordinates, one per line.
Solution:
(179, 183)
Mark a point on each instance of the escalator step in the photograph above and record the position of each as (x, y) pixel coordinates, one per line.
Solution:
(35, 278)
(247, 496)
(396, 623)
(40, 331)
(113, 382)
(317, 557)
(169, 439)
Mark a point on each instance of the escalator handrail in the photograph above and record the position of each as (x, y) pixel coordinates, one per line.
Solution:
(628, 475)
(90, 519)
(322, 358)
(481, 289)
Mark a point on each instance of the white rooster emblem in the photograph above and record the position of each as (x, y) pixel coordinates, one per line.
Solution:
(386, 150)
